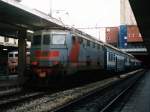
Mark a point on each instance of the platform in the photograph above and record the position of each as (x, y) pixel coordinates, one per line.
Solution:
(8, 80)
(139, 101)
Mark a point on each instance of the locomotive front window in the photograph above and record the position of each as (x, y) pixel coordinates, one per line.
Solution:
(58, 39)
(36, 40)
(46, 39)
(10, 55)
(16, 55)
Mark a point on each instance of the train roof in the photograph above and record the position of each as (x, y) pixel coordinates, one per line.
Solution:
(85, 35)
(105, 44)
(80, 33)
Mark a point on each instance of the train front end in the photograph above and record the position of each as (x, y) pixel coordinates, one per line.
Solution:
(48, 53)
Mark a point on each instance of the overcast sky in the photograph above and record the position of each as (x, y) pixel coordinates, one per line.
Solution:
(81, 13)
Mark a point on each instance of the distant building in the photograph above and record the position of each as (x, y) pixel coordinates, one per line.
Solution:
(134, 34)
(124, 36)
(127, 35)
(112, 35)
(135, 39)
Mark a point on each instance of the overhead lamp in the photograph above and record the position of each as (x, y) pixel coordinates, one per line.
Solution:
(5, 49)
(30, 31)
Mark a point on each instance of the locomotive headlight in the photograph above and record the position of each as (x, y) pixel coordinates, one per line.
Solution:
(35, 63)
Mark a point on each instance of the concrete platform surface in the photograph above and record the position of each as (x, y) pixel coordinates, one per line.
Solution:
(140, 99)
(8, 80)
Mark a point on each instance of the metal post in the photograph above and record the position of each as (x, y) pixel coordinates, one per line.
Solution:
(21, 55)
(50, 8)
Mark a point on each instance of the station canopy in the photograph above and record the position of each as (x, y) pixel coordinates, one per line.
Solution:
(141, 10)
(14, 16)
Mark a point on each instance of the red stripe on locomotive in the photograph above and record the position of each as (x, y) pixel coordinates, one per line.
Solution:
(46, 54)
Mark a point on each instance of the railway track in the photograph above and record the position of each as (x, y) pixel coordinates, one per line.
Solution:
(100, 100)
(9, 91)
(118, 103)
(50, 101)
(117, 98)
(92, 97)
(15, 98)
(6, 87)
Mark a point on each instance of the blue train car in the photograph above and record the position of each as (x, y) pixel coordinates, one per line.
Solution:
(115, 59)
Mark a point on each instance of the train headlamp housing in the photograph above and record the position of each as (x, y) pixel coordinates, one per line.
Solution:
(35, 63)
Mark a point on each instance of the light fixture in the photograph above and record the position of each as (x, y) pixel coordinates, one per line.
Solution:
(30, 31)
(5, 49)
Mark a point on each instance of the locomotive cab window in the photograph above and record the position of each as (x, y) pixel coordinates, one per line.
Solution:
(58, 39)
(16, 55)
(46, 39)
(10, 55)
(36, 40)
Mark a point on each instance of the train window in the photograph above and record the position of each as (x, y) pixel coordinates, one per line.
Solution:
(109, 56)
(46, 39)
(88, 43)
(80, 40)
(114, 57)
(93, 45)
(36, 40)
(84, 45)
(16, 55)
(58, 39)
(98, 46)
(10, 55)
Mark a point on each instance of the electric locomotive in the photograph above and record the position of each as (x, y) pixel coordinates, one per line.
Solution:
(65, 52)
(56, 52)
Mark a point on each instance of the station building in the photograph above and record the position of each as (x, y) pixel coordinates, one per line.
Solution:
(127, 37)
